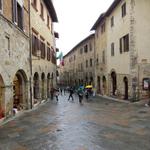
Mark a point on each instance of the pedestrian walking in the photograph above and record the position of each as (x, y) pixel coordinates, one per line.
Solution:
(71, 94)
(57, 94)
(80, 94)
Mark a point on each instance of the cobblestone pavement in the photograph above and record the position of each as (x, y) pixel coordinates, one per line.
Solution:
(99, 124)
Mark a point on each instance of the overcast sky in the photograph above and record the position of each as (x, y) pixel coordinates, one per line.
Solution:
(76, 17)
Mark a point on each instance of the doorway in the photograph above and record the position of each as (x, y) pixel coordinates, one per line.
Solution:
(2, 98)
(36, 89)
(125, 88)
(19, 90)
(114, 82)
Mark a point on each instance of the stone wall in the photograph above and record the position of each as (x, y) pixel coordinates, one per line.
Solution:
(13, 58)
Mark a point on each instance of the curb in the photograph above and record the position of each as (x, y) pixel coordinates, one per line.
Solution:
(6, 120)
(141, 102)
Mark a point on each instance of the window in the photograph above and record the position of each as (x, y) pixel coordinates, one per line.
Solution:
(42, 11)
(48, 53)
(123, 8)
(42, 48)
(146, 83)
(81, 50)
(74, 57)
(86, 63)
(35, 44)
(112, 21)
(18, 14)
(91, 62)
(53, 54)
(86, 48)
(124, 44)
(7, 43)
(1, 8)
(112, 49)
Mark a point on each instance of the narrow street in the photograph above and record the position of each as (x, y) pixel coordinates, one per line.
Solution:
(99, 124)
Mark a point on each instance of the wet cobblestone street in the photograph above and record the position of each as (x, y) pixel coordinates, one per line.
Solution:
(99, 124)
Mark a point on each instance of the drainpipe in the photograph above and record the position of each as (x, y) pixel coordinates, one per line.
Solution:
(30, 55)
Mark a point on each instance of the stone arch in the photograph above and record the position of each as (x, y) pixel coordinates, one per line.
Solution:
(20, 90)
(48, 85)
(125, 79)
(114, 82)
(43, 85)
(36, 86)
(98, 84)
(104, 85)
(2, 98)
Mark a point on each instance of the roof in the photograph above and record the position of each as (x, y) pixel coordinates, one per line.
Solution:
(112, 7)
(107, 13)
(98, 21)
(51, 10)
(90, 36)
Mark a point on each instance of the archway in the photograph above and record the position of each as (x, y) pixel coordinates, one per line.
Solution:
(125, 88)
(20, 90)
(48, 85)
(2, 98)
(98, 84)
(36, 89)
(104, 85)
(43, 86)
(114, 82)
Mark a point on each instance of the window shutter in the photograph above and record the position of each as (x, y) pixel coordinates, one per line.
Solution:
(120, 45)
(14, 10)
(127, 42)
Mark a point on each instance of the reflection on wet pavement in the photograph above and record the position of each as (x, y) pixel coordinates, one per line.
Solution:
(99, 124)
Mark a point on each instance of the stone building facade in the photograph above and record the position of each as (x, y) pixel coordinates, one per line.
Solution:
(14, 53)
(43, 44)
(100, 54)
(79, 63)
(26, 60)
(127, 48)
(121, 52)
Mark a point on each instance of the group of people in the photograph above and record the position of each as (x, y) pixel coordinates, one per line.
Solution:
(80, 91)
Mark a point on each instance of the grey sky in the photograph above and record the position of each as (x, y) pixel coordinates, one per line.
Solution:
(76, 17)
